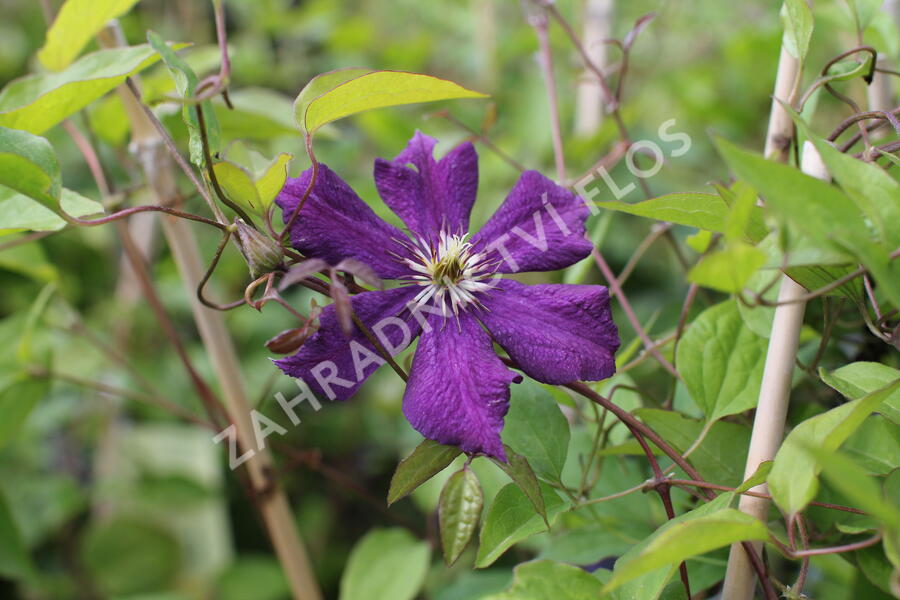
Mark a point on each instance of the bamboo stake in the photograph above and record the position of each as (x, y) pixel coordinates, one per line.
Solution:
(774, 395)
(774, 392)
(272, 502)
(781, 127)
(589, 100)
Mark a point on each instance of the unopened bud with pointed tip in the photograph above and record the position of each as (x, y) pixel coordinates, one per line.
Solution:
(262, 253)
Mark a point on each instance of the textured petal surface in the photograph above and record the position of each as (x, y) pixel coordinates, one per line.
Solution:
(429, 194)
(335, 223)
(333, 365)
(458, 389)
(556, 333)
(539, 227)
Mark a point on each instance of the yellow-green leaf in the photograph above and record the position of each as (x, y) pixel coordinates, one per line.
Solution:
(38, 102)
(367, 91)
(77, 22)
(709, 212)
(321, 85)
(856, 484)
(19, 212)
(237, 184)
(793, 480)
(690, 538)
(272, 180)
(730, 269)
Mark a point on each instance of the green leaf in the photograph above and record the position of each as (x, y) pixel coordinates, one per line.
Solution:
(128, 555)
(186, 82)
(650, 585)
(721, 361)
(855, 484)
(17, 399)
(15, 563)
(728, 270)
(523, 476)
(549, 580)
(76, 23)
(891, 157)
(19, 212)
(38, 102)
(797, 20)
(759, 476)
(875, 445)
(258, 577)
(339, 94)
(30, 260)
(689, 538)
(258, 114)
(709, 212)
(745, 218)
(818, 276)
(386, 563)
(863, 11)
(815, 207)
(876, 194)
(758, 317)
(721, 455)
(704, 211)
(537, 429)
(427, 460)
(29, 165)
(700, 241)
(511, 519)
(862, 378)
(793, 480)
(819, 210)
(459, 511)
(24, 352)
(848, 69)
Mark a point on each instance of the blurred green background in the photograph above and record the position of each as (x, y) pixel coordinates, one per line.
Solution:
(116, 498)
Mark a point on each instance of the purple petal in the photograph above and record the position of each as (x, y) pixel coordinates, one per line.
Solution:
(334, 365)
(556, 333)
(335, 224)
(539, 227)
(458, 389)
(430, 194)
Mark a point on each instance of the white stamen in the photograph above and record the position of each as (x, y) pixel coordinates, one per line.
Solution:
(448, 270)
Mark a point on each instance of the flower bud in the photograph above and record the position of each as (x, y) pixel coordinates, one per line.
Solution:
(290, 340)
(262, 253)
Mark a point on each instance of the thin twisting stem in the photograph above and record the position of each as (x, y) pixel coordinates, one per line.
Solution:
(211, 173)
(173, 150)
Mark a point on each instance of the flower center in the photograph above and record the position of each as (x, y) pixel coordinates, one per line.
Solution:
(450, 272)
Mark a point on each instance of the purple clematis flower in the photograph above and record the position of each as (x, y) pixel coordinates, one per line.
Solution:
(452, 295)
